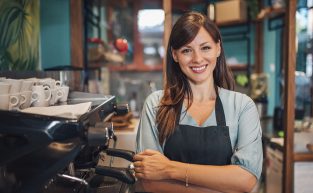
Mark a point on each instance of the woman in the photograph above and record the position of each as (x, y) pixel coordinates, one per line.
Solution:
(197, 135)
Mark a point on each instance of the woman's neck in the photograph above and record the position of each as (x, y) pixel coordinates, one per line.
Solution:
(203, 93)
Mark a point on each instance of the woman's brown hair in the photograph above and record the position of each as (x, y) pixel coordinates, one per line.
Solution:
(177, 86)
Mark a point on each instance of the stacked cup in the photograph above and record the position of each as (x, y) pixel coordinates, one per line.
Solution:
(59, 92)
(18, 94)
(7, 100)
(21, 90)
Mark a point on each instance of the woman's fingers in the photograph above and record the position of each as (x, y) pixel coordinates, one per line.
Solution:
(140, 156)
(138, 164)
(151, 164)
(150, 152)
(139, 170)
(139, 175)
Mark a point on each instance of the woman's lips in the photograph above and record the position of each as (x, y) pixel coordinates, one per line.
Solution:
(198, 69)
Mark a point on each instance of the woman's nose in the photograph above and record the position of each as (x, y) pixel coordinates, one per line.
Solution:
(197, 57)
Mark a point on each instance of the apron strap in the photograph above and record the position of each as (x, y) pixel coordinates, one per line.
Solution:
(219, 112)
(178, 117)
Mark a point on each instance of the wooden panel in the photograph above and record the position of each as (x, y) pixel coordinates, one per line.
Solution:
(259, 44)
(238, 67)
(303, 157)
(167, 6)
(289, 61)
(138, 47)
(77, 36)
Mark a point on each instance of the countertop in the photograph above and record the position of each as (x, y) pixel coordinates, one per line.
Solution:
(301, 139)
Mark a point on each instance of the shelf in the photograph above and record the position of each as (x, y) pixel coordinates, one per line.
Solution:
(135, 68)
(303, 157)
(126, 67)
(238, 67)
(267, 13)
(231, 23)
(270, 12)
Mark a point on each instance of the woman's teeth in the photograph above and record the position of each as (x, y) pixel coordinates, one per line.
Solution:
(198, 69)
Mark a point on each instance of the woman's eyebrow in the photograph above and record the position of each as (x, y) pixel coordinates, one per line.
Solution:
(204, 43)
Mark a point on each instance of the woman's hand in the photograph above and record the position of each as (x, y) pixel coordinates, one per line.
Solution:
(152, 165)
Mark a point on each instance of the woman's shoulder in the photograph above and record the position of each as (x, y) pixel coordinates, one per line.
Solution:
(154, 98)
(234, 97)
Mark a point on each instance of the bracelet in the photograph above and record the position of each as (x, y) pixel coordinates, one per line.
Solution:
(186, 176)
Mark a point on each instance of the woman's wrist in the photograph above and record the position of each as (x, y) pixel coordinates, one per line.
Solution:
(178, 170)
(187, 176)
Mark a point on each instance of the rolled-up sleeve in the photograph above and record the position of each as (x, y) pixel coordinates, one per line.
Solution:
(248, 152)
(147, 134)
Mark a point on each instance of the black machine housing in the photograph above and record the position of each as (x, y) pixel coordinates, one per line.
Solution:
(41, 153)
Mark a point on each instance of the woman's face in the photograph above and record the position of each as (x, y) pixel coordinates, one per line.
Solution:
(197, 59)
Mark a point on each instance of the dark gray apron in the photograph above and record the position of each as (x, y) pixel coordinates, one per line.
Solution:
(201, 145)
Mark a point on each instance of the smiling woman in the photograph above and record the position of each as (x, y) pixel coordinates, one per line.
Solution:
(197, 132)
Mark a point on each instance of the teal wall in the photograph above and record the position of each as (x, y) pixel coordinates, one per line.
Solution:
(55, 33)
(272, 61)
(239, 49)
(271, 64)
(272, 51)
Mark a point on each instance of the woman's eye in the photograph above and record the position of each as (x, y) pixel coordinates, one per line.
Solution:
(186, 51)
(206, 48)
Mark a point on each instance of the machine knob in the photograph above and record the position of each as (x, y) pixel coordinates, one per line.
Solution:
(121, 109)
(100, 134)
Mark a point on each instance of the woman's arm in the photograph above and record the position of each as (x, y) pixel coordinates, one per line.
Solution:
(167, 186)
(152, 165)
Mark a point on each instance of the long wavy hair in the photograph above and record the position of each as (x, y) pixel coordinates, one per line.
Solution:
(177, 86)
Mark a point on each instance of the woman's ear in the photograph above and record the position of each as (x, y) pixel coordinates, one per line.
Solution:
(218, 49)
(174, 55)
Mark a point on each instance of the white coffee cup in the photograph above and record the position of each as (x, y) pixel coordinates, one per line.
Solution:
(49, 82)
(56, 95)
(65, 91)
(15, 85)
(8, 101)
(25, 99)
(27, 85)
(41, 96)
(5, 87)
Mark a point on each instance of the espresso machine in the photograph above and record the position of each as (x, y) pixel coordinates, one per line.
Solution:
(43, 154)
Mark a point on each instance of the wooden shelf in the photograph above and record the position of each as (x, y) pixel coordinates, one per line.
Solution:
(135, 68)
(126, 67)
(303, 157)
(270, 12)
(231, 23)
(238, 67)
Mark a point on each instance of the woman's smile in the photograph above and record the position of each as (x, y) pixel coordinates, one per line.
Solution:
(199, 69)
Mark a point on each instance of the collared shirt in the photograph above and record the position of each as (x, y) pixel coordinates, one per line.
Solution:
(242, 118)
